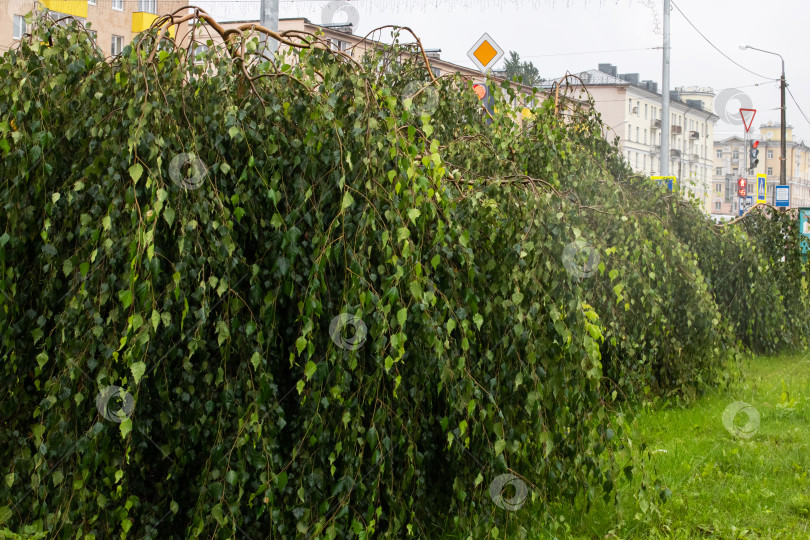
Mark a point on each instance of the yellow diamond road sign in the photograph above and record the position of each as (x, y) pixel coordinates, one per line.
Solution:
(485, 53)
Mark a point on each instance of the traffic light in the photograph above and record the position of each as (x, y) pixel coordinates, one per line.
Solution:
(486, 98)
(741, 187)
(753, 153)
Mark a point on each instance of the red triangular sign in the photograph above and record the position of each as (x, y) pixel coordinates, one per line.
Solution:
(751, 113)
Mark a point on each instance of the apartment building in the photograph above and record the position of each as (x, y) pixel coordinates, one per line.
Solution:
(113, 23)
(341, 37)
(631, 109)
(731, 160)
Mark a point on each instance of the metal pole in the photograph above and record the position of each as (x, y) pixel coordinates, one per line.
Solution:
(783, 130)
(744, 168)
(665, 95)
(783, 164)
(269, 19)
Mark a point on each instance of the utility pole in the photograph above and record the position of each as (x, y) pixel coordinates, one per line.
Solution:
(665, 95)
(783, 160)
(783, 84)
(269, 19)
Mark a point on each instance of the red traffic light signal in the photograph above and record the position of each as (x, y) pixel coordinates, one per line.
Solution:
(754, 144)
(742, 192)
(486, 98)
(741, 182)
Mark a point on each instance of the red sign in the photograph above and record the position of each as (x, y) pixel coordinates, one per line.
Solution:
(752, 113)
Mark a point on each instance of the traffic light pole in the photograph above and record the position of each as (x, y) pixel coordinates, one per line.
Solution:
(783, 160)
(745, 153)
(665, 94)
(745, 165)
(783, 131)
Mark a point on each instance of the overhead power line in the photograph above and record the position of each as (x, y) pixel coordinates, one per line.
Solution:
(717, 49)
(798, 106)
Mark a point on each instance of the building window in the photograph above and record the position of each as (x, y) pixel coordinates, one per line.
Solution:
(717, 205)
(636, 160)
(638, 135)
(770, 154)
(735, 155)
(630, 106)
(199, 51)
(93, 36)
(116, 45)
(770, 171)
(337, 45)
(644, 162)
(645, 135)
(630, 133)
(19, 27)
(148, 6)
(718, 188)
(91, 2)
(718, 171)
(719, 153)
(436, 72)
(118, 5)
(645, 110)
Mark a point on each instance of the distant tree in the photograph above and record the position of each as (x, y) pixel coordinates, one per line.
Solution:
(523, 72)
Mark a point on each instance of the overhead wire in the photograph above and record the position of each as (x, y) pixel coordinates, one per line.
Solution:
(770, 79)
(797, 105)
(717, 49)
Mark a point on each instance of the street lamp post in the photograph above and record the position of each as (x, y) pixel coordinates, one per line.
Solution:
(783, 158)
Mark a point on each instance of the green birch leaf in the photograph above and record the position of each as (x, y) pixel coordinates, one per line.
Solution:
(135, 172)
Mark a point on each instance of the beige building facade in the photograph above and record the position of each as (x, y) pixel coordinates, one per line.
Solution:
(632, 109)
(341, 37)
(731, 157)
(113, 23)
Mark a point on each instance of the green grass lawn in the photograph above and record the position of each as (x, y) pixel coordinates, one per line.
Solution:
(722, 485)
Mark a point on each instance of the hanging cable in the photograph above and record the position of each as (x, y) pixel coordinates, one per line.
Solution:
(717, 49)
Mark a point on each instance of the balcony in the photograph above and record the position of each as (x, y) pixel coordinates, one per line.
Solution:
(656, 124)
(675, 153)
(142, 20)
(694, 157)
(694, 135)
(76, 8)
(677, 130)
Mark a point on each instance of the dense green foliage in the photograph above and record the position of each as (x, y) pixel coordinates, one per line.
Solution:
(213, 295)
(756, 273)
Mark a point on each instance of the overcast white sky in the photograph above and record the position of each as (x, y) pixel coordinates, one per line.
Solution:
(575, 35)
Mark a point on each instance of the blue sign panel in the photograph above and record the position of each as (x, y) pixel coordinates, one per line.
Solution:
(804, 230)
(781, 198)
(746, 203)
(762, 185)
(670, 181)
